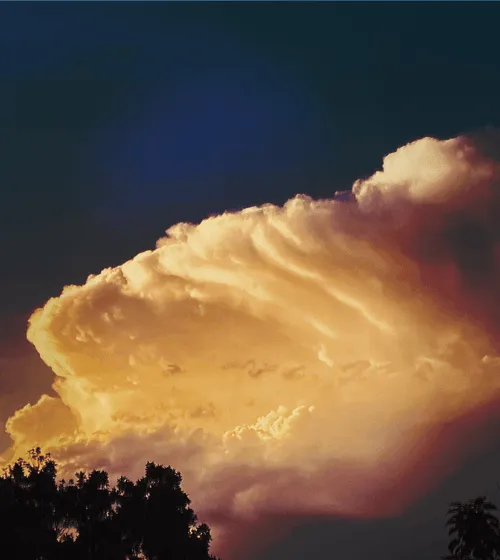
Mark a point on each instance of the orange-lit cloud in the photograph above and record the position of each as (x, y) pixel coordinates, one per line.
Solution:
(285, 359)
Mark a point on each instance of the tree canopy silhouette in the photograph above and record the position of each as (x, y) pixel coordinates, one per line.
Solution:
(86, 518)
(474, 529)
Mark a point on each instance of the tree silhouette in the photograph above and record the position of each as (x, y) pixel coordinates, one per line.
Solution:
(475, 530)
(86, 519)
(28, 519)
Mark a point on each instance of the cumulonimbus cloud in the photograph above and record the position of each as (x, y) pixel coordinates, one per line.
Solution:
(289, 359)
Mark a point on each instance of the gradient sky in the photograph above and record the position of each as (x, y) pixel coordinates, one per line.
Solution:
(120, 119)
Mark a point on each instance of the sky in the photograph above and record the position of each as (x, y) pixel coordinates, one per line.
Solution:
(322, 369)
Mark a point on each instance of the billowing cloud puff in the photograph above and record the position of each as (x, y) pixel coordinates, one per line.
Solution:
(285, 359)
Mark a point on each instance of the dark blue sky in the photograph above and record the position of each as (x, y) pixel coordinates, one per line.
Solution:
(119, 114)
(119, 119)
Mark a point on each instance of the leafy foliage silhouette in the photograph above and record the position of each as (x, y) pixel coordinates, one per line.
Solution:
(86, 518)
(474, 529)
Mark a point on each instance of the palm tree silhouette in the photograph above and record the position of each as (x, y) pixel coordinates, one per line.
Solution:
(475, 530)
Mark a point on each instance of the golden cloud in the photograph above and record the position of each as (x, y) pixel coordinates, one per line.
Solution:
(283, 358)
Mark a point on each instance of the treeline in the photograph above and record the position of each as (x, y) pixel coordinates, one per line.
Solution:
(88, 519)
(151, 519)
